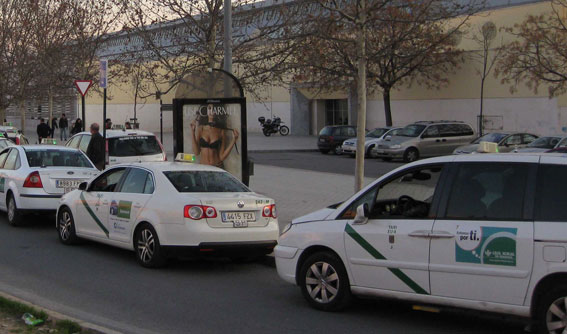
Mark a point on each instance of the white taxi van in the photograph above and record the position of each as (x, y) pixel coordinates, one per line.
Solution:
(485, 232)
(124, 146)
(170, 209)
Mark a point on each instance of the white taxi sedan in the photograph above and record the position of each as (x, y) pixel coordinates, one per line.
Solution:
(169, 209)
(33, 178)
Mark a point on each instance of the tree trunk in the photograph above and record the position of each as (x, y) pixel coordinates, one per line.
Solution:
(387, 107)
(22, 115)
(480, 118)
(2, 114)
(49, 120)
(361, 92)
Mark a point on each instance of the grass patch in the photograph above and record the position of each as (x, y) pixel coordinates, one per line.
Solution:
(67, 327)
(18, 309)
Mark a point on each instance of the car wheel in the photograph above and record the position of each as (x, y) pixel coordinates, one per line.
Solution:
(324, 151)
(411, 154)
(369, 151)
(551, 313)
(66, 227)
(324, 282)
(14, 214)
(284, 130)
(148, 250)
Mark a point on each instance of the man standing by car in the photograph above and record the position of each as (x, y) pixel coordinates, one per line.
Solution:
(43, 130)
(95, 150)
(63, 126)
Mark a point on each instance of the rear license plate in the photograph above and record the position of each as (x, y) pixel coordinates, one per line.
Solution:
(71, 184)
(322, 140)
(238, 218)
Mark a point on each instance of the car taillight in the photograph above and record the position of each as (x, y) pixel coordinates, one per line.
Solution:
(33, 181)
(17, 141)
(269, 211)
(331, 139)
(197, 212)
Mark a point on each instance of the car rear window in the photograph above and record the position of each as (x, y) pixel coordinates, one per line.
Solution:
(205, 182)
(129, 146)
(56, 158)
(326, 131)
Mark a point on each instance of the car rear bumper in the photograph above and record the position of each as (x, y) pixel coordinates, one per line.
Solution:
(39, 201)
(229, 249)
(324, 145)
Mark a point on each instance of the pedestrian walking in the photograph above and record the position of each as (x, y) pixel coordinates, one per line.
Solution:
(95, 150)
(43, 130)
(108, 124)
(77, 127)
(63, 126)
(53, 127)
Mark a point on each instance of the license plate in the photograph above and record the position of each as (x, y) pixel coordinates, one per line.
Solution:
(241, 217)
(238, 224)
(322, 140)
(67, 183)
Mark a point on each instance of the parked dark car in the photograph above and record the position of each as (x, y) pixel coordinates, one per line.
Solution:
(331, 137)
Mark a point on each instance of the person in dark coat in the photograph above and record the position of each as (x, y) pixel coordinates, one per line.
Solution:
(96, 148)
(63, 125)
(77, 127)
(43, 130)
(53, 127)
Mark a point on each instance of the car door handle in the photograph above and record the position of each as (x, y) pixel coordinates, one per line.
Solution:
(441, 234)
(420, 234)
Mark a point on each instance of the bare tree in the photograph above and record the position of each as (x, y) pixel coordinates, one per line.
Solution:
(487, 57)
(382, 44)
(537, 55)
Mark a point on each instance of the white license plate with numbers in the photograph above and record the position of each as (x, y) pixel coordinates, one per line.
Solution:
(67, 184)
(238, 218)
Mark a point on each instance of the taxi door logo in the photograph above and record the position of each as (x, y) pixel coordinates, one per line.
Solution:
(486, 245)
(124, 208)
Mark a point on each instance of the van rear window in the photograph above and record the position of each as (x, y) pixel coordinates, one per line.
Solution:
(129, 146)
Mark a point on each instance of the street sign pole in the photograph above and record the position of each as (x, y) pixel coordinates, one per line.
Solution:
(103, 83)
(83, 110)
(83, 87)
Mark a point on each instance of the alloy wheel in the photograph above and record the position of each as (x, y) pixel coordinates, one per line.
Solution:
(146, 245)
(322, 282)
(65, 226)
(556, 317)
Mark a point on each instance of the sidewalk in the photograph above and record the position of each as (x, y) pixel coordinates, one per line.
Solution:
(298, 192)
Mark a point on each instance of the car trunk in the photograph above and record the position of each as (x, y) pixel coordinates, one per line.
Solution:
(59, 180)
(235, 209)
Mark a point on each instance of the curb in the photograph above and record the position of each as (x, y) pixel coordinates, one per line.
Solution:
(56, 316)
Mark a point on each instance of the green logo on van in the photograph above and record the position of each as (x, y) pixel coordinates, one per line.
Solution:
(124, 209)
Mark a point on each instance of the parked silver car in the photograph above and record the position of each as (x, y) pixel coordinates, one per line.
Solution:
(425, 139)
(373, 137)
(506, 141)
(542, 144)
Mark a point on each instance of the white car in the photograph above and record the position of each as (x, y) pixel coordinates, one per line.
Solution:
(372, 139)
(14, 135)
(170, 209)
(33, 178)
(484, 232)
(124, 146)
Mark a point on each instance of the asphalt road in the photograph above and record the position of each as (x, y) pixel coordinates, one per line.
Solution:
(329, 163)
(106, 286)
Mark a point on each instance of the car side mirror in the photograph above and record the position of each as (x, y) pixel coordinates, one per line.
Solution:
(83, 186)
(362, 213)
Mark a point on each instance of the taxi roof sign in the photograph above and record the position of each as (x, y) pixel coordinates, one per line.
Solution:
(487, 147)
(48, 141)
(185, 157)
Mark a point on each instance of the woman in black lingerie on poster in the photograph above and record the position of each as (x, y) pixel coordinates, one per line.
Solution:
(210, 136)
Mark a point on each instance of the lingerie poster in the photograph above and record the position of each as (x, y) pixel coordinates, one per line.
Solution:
(212, 133)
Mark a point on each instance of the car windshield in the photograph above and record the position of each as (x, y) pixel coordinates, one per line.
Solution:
(205, 182)
(326, 131)
(57, 158)
(129, 146)
(544, 142)
(491, 138)
(413, 130)
(376, 133)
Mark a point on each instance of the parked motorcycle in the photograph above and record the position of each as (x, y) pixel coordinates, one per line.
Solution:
(274, 125)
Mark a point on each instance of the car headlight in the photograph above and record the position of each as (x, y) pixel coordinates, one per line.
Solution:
(395, 146)
(286, 229)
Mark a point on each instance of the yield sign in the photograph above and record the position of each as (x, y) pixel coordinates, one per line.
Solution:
(83, 86)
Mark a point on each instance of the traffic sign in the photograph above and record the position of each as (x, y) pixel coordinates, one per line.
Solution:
(83, 86)
(103, 73)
